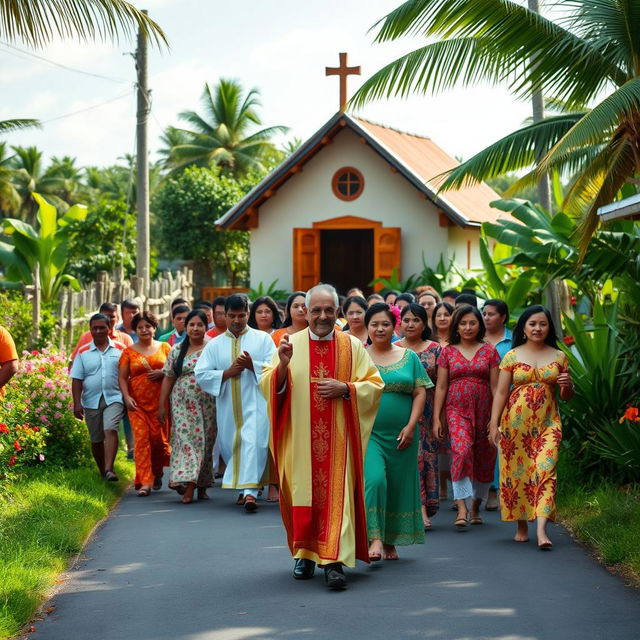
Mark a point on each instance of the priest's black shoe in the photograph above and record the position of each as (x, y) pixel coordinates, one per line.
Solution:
(334, 576)
(303, 569)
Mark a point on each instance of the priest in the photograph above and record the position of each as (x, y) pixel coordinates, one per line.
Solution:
(229, 369)
(322, 392)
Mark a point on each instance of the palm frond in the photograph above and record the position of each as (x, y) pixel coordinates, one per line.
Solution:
(16, 124)
(514, 151)
(547, 56)
(436, 67)
(598, 124)
(622, 166)
(38, 23)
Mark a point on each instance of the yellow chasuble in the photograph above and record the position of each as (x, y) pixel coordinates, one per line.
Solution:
(318, 446)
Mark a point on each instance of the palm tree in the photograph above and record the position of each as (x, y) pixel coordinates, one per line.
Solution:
(221, 137)
(9, 197)
(588, 52)
(38, 23)
(68, 179)
(29, 177)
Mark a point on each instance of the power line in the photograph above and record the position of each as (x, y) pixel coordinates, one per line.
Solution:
(60, 65)
(95, 106)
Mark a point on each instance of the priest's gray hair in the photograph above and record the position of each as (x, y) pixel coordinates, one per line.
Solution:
(326, 288)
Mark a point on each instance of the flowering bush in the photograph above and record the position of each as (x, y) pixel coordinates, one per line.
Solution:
(40, 394)
(20, 446)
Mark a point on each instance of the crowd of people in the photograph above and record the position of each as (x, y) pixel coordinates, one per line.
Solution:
(358, 414)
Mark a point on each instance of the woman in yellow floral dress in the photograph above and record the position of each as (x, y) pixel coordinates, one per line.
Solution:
(528, 430)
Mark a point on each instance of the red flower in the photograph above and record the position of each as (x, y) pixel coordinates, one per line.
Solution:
(568, 340)
(4, 428)
(41, 369)
(36, 428)
(573, 301)
(631, 414)
(16, 445)
(35, 352)
(12, 461)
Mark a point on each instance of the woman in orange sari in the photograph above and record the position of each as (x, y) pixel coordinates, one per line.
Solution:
(140, 381)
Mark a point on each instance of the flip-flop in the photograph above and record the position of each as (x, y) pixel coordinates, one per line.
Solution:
(143, 493)
(375, 557)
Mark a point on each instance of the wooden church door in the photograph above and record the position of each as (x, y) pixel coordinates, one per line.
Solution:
(307, 250)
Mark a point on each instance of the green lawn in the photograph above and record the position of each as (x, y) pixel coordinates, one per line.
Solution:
(607, 519)
(48, 521)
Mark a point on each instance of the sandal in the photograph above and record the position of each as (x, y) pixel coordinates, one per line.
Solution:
(240, 500)
(110, 476)
(157, 483)
(250, 504)
(144, 492)
(461, 523)
(476, 520)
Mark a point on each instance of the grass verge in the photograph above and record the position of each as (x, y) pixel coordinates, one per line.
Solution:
(48, 521)
(607, 518)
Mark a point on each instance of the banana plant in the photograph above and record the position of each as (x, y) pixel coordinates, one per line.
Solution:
(42, 250)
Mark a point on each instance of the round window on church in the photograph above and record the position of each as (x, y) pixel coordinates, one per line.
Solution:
(347, 183)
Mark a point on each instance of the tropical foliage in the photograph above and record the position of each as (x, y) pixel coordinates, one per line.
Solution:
(187, 207)
(605, 374)
(38, 23)
(584, 61)
(40, 394)
(222, 136)
(270, 290)
(42, 251)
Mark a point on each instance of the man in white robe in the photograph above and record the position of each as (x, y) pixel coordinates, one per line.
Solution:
(229, 369)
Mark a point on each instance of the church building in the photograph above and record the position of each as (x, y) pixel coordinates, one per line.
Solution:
(354, 202)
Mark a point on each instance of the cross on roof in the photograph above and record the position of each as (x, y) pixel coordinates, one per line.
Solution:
(343, 71)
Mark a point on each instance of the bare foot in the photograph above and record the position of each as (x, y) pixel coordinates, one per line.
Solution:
(274, 493)
(522, 532)
(187, 498)
(375, 550)
(544, 542)
(202, 493)
(390, 552)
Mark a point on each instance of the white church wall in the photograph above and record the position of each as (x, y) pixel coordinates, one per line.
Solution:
(307, 198)
(465, 245)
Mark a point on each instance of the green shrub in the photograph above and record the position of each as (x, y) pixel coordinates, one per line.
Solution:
(606, 382)
(41, 394)
(21, 446)
(16, 316)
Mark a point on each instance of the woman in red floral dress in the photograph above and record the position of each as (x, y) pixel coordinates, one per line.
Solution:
(467, 377)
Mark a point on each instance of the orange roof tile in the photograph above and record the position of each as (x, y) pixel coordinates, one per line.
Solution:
(427, 160)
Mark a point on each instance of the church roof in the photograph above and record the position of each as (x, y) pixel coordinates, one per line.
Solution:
(416, 158)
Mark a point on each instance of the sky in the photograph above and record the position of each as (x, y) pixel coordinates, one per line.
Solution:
(280, 47)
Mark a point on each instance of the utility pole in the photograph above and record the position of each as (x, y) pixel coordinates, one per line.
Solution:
(142, 162)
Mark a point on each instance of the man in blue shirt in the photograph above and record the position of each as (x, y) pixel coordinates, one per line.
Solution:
(96, 394)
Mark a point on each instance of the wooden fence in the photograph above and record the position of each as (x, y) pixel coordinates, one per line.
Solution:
(76, 307)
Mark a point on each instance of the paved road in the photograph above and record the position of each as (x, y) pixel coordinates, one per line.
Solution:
(162, 570)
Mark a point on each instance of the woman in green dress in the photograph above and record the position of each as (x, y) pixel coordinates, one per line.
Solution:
(392, 489)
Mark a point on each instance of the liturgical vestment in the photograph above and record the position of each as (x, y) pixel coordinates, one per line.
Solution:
(243, 426)
(318, 446)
